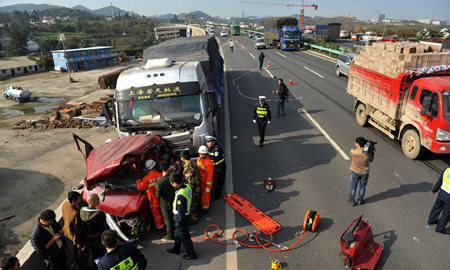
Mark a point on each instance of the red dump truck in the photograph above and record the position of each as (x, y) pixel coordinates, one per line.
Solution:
(413, 107)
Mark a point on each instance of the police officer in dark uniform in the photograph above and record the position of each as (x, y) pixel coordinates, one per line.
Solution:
(217, 156)
(262, 116)
(442, 203)
(181, 208)
(120, 257)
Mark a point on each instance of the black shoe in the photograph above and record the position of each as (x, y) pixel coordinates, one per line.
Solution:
(444, 232)
(186, 257)
(361, 202)
(202, 213)
(171, 251)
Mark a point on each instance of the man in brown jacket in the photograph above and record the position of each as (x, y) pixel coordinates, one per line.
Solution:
(73, 229)
(360, 171)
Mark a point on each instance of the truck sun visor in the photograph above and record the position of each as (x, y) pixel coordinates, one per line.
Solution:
(158, 91)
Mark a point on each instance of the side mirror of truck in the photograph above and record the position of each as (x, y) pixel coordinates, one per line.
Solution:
(424, 112)
(212, 101)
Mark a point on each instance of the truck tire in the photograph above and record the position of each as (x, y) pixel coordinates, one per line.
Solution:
(215, 125)
(338, 71)
(361, 115)
(411, 144)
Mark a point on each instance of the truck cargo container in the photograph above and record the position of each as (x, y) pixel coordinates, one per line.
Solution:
(328, 32)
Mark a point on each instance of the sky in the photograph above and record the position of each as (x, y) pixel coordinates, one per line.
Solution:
(362, 9)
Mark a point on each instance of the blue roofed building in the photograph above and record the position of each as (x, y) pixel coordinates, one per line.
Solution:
(84, 58)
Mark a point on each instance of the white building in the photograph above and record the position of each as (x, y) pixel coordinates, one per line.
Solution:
(17, 66)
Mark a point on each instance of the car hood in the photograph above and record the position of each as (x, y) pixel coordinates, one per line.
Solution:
(109, 159)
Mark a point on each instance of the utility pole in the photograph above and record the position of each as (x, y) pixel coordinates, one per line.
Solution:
(62, 38)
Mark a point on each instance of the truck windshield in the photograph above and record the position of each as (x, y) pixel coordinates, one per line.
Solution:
(446, 105)
(291, 34)
(177, 111)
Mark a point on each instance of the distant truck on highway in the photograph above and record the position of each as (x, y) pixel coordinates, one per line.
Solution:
(175, 93)
(328, 32)
(17, 93)
(283, 33)
(414, 109)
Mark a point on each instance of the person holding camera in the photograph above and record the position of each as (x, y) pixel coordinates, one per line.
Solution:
(262, 116)
(282, 96)
(359, 171)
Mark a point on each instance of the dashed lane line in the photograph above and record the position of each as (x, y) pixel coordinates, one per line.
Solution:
(252, 55)
(335, 145)
(281, 54)
(314, 72)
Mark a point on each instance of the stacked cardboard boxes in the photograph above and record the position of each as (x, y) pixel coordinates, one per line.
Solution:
(391, 59)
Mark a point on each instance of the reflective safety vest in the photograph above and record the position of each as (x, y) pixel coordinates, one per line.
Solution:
(446, 181)
(261, 112)
(126, 264)
(187, 193)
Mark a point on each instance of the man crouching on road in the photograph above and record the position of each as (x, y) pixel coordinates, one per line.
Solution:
(120, 257)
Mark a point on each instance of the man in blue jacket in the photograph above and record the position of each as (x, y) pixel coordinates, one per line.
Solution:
(46, 238)
(442, 203)
(120, 257)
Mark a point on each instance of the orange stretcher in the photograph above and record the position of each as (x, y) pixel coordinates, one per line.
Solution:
(260, 220)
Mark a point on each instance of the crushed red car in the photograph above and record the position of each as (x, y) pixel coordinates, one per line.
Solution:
(111, 173)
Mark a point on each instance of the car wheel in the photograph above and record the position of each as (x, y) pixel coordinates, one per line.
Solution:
(411, 144)
(338, 71)
(143, 227)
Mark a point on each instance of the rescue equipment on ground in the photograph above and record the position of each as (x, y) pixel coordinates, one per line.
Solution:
(269, 184)
(265, 224)
(311, 221)
(276, 264)
(359, 250)
(260, 220)
(369, 149)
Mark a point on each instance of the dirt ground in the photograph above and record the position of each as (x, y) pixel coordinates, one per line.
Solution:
(39, 167)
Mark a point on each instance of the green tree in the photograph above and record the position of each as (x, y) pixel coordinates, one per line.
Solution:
(74, 43)
(17, 43)
(34, 15)
(126, 16)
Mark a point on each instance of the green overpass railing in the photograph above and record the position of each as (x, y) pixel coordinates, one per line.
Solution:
(330, 51)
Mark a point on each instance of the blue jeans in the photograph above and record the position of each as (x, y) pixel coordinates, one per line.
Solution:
(280, 107)
(356, 178)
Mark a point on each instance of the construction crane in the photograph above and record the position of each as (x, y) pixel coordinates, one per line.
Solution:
(348, 21)
(302, 12)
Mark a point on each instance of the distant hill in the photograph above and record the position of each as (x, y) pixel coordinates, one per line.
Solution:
(180, 16)
(29, 7)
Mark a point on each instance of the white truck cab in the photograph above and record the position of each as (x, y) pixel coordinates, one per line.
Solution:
(168, 98)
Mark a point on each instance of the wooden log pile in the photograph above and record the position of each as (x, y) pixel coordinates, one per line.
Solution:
(62, 117)
(391, 59)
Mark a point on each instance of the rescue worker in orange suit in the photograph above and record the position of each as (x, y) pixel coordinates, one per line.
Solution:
(442, 203)
(262, 116)
(148, 183)
(205, 175)
(217, 157)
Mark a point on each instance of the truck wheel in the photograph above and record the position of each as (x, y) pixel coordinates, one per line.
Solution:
(215, 125)
(361, 115)
(338, 71)
(411, 144)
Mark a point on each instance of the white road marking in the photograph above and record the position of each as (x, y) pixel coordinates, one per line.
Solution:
(281, 54)
(314, 72)
(252, 55)
(231, 251)
(269, 73)
(321, 57)
(326, 135)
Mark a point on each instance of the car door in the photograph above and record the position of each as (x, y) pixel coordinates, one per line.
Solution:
(430, 123)
(346, 64)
